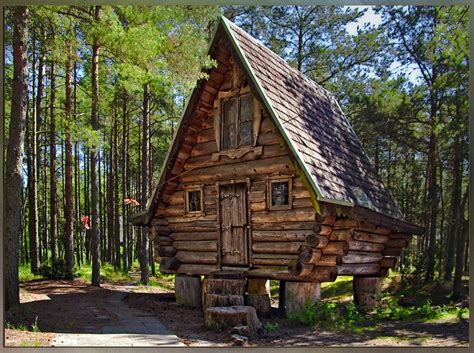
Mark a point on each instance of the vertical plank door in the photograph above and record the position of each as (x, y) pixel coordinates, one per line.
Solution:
(234, 232)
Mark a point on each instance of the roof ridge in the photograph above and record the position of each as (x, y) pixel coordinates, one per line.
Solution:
(279, 58)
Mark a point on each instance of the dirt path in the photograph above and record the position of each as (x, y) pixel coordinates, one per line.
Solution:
(133, 328)
(71, 313)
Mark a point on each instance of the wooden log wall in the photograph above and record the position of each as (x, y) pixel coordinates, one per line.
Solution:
(188, 244)
(295, 244)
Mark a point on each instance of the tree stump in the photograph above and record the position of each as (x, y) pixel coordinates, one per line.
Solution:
(261, 303)
(212, 300)
(188, 290)
(224, 286)
(366, 292)
(298, 294)
(259, 295)
(222, 292)
(226, 317)
(258, 286)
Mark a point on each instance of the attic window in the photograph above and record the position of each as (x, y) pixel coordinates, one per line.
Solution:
(237, 119)
(279, 193)
(194, 200)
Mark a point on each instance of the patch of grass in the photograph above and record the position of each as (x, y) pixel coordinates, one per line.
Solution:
(33, 343)
(271, 327)
(25, 274)
(165, 282)
(107, 273)
(425, 312)
(331, 316)
(340, 289)
(19, 327)
(22, 327)
(274, 288)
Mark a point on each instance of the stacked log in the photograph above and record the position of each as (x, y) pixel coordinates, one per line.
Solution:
(393, 248)
(164, 251)
(355, 247)
(319, 256)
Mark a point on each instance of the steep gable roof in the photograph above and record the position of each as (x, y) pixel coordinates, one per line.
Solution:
(315, 128)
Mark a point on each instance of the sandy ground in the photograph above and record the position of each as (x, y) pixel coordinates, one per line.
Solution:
(64, 307)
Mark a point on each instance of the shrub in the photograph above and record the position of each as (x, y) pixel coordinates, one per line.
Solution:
(330, 316)
(57, 271)
(271, 327)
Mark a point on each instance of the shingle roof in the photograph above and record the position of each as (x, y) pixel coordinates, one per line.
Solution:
(317, 130)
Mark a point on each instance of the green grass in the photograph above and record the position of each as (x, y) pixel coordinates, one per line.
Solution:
(107, 273)
(22, 327)
(271, 327)
(25, 274)
(399, 301)
(340, 289)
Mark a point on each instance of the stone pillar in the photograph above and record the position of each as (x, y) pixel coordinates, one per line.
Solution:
(258, 295)
(297, 294)
(366, 292)
(188, 290)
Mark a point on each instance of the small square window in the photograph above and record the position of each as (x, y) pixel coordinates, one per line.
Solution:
(279, 193)
(194, 200)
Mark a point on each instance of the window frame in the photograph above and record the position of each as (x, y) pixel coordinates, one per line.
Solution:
(269, 193)
(187, 190)
(236, 123)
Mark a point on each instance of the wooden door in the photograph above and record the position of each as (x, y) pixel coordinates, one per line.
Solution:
(234, 226)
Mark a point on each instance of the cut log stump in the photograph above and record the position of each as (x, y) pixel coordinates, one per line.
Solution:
(226, 317)
(212, 300)
(298, 294)
(367, 292)
(261, 303)
(188, 290)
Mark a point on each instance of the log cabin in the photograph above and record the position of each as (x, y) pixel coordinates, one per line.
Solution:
(265, 175)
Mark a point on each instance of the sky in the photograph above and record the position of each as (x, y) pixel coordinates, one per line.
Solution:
(374, 19)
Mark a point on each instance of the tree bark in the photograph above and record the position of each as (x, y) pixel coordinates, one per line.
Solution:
(32, 173)
(464, 235)
(115, 176)
(13, 170)
(53, 210)
(69, 222)
(124, 180)
(95, 234)
(145, 169)
(454, 221)
(433, 205)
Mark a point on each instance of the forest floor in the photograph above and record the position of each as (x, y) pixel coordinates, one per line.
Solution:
(51, 308)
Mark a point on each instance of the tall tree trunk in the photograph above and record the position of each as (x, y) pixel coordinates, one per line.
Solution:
(13, 168)
(128, 181)
(32, 176)
(103, 217)
(463, 236)
(95, 246)
(110, 203)
(115, 176)
(87, 232)
(145, 168)
(433, 205)
(455, 219)
(124, 180)
(53, 216)
(69, 225)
